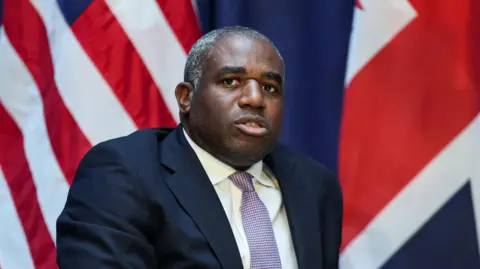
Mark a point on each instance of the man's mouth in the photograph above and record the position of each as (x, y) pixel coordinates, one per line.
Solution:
(252, 128)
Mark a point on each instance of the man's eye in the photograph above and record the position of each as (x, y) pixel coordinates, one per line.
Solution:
(269, 88)
(231, 82)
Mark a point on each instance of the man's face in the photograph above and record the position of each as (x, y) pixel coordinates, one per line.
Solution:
(237, 111)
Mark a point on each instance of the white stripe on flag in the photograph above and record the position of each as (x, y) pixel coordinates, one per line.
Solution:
(418, 202)
(14, 251)
(89, 98)
(373, 28)
(160, 50)
(21, 98)
(475, 171)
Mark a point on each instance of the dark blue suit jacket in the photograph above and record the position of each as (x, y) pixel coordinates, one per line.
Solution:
(144, 201)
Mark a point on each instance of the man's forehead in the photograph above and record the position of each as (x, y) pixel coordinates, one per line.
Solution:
(241, 44)
(238, 50)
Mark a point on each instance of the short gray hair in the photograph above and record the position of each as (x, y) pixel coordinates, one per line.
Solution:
(198, 55)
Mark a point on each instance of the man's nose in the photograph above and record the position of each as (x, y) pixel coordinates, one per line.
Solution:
(252, 95)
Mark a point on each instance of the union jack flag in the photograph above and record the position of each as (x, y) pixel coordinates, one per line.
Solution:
(410, 141)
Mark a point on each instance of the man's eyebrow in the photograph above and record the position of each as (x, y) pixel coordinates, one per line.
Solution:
(231, 70)
(273, 76)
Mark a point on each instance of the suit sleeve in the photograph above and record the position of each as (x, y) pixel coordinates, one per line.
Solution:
(332, 223)
(105, 217)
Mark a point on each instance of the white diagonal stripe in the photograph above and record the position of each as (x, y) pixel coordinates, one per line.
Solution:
(417, 202)
(373, 28)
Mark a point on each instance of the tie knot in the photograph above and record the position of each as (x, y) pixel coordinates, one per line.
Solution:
(243, 180)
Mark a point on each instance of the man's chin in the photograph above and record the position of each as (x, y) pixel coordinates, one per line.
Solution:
(247, 154)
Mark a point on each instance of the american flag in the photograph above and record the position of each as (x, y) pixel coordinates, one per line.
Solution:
(74, 73)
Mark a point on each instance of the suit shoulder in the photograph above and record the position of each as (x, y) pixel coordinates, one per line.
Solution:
(136, 152)
(138, 143)
(132, 143)
(137, 149)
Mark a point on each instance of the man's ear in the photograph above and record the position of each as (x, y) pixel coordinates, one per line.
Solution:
(183, 93)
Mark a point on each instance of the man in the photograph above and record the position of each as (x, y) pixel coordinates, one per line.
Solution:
(218, 191)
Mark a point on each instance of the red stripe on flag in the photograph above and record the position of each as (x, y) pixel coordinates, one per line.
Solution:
(112, 52)
(475, 36)
(404, 107)
(28, 36)
(22, 188)
(183, 20)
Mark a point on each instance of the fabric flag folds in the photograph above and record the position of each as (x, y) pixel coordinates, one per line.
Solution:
(73, 74)
(410, 138)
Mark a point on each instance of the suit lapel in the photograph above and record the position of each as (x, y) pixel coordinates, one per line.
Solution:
(298, 205)
(194, 191)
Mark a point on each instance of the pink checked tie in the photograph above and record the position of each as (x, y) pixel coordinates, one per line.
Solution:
(257, 225)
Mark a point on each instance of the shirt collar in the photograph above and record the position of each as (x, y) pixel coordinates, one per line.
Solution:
(217, 170)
